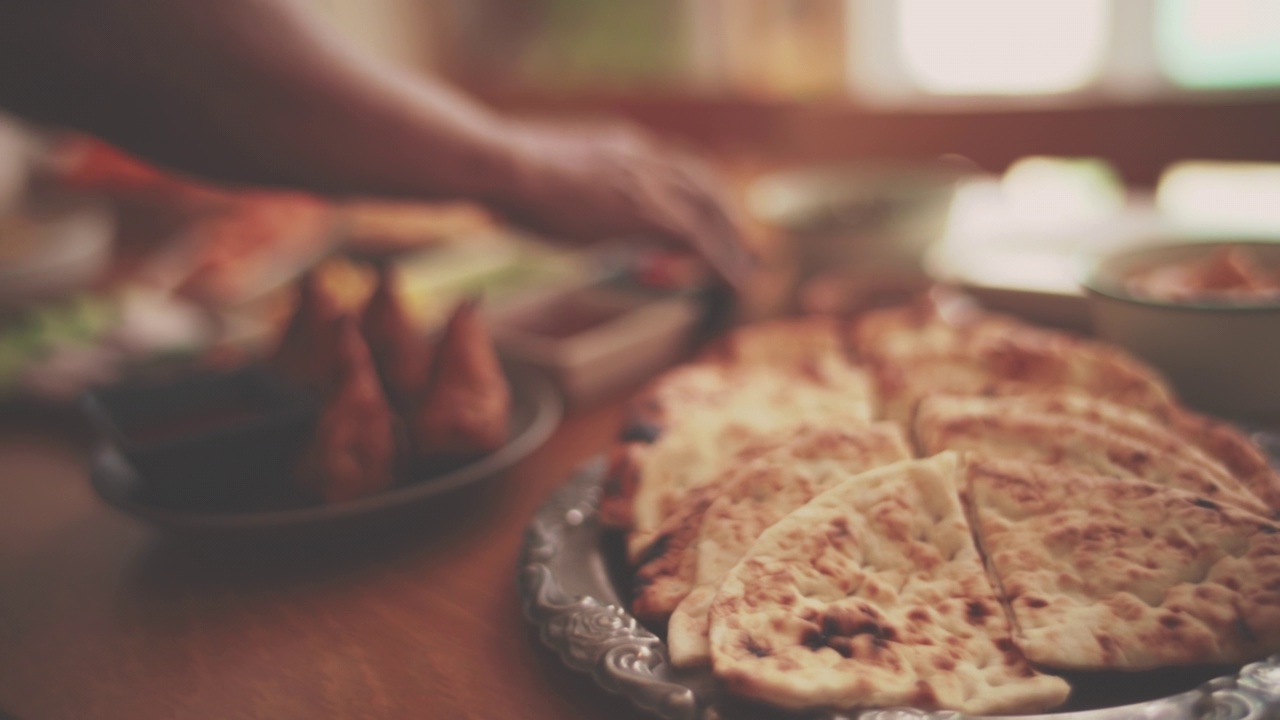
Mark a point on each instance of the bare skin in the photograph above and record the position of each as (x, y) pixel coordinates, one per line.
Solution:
(263, 92)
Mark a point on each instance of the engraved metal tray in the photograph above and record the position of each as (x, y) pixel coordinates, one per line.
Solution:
(569, 578)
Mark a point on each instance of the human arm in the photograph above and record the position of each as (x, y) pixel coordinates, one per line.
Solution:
(263, 92)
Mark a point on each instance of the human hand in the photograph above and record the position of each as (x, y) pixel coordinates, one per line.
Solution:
(585, 184)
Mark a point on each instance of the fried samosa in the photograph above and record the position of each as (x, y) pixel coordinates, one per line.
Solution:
(400, 353)
(467, 403)
(353, 451)
(305, 354)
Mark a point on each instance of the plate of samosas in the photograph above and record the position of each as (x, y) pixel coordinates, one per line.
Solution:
(351, 414)
(928, 512)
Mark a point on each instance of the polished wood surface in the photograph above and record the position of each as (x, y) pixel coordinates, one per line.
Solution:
(103, 618)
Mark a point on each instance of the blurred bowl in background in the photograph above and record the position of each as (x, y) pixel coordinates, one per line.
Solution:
(872, 216)
(595, 341)
(1221, 356)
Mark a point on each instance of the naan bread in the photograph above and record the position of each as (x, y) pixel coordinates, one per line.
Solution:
(698, 416)
(1241, 456)
(1077, 433)
(916, 352)
(785, 343)
(752, 498)
(931, 326)
(665, 570)
(1102, 573)
(873, 594)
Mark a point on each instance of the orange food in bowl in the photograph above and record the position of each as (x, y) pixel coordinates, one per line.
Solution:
(1228, 274)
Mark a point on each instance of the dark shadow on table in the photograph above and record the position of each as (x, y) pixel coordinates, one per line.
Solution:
(266, 560)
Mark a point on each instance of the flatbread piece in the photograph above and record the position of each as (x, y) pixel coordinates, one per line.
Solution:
(873, 594)
(1110, 574)
(1077, 433)
(752, 498)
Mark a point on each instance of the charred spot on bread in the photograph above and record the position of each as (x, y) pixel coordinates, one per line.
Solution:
(976, 612)
(755, 647)
(1245, 632)
(640, 431)
(655, 550)
(814, 639)
(1206, 504)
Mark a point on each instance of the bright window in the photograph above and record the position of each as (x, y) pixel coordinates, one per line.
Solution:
(1230, 197)
(1219, 43)
(1002, 47)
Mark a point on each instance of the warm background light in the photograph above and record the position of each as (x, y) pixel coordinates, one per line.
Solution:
(1219, 43)
(1235, 197)
(1002, 46)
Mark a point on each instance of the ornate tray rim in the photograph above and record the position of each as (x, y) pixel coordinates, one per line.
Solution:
(594, 634)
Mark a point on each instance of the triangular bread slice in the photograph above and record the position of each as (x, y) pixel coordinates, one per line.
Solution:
(1102, 573)
(1222, 442)
(873, 595)
(1077, 433)
(710, 412)
(786, 472)
(765, 377)
(756, 496)
(918, 351)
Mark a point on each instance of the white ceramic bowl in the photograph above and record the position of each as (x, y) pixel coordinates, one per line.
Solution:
(1222, 358)
(839, 216)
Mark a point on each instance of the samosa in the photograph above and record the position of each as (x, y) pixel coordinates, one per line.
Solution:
(401, 354)
(353, 451)
(305, 354)
(467, 403)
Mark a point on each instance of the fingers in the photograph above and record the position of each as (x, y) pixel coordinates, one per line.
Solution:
(598, 182)
(695, 212)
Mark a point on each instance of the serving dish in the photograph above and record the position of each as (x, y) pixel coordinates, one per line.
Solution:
(536, 411)
(1221, 357)
(592, 340)
(883, 214)
(209, 441)
(570, 576)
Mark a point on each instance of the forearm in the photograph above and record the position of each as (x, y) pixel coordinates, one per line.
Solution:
(247, 91)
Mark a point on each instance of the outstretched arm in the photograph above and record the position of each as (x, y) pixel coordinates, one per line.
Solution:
(264, 92)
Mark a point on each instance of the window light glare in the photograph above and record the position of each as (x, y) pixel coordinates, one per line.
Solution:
(993, 47)
(1222, 196)
(1219, 43)
(1061, 190)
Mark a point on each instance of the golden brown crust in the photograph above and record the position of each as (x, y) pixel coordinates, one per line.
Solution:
(1077, 432)
(873, 594)
(1234, 450)
(1103, 573)
(688, 422)
(916, 352)
(846, 600)
(756, 495)
(665, 569)
(784, 343)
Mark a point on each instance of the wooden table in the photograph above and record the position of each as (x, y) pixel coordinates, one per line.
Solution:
(102, 618)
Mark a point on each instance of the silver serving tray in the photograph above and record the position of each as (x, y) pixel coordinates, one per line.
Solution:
(570, 596)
